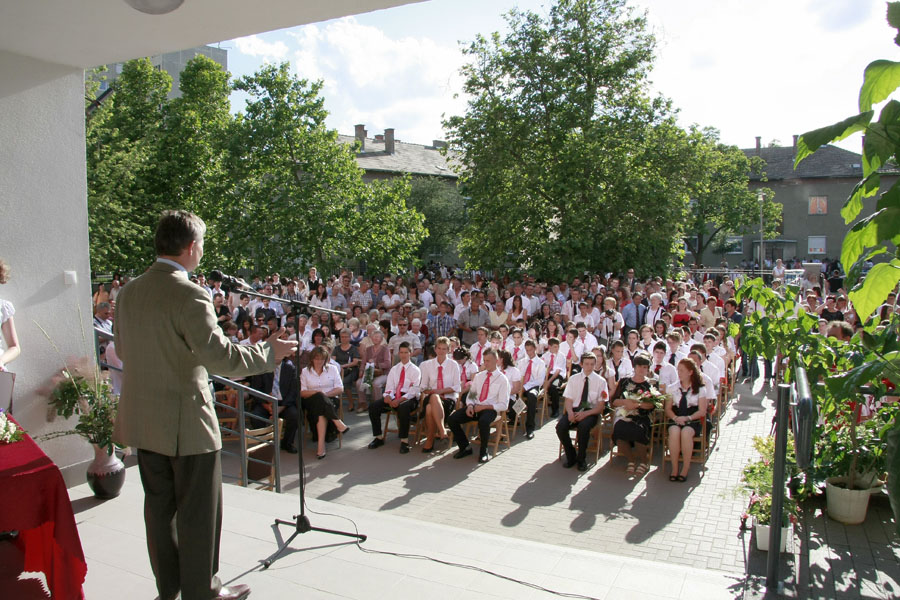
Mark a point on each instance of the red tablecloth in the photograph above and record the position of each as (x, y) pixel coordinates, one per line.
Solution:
(34, 501)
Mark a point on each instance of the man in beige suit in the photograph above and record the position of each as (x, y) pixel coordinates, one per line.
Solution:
(168, 339)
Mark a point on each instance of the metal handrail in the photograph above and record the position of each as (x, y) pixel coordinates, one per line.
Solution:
(242, 391)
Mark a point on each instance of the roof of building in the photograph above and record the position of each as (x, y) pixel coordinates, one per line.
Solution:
(827, 161)
(416, 159)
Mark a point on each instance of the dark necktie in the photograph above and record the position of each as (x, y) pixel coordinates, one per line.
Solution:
(682, 404)
(672, 359)
(585, 405)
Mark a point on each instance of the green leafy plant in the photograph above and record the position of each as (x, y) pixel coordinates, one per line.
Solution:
(92, 399)
(756, 478)
(869, 237)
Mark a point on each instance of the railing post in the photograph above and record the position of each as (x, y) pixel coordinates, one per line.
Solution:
(276, 441)
(245, 465)
(778, 486)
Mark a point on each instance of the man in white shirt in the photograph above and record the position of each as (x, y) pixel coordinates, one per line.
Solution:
(570, 307)
(587, 339)
(556, 375)
(534, 373)
(257, 334)
(531, 302)
(441, 385)
(586, 395)
(401, 393)
(477, 349)
(666, 374)
(425, 294)
(710, 342)
(489, 396)
(707, 367)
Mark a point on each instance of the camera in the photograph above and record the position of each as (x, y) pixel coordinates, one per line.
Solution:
(610, 312)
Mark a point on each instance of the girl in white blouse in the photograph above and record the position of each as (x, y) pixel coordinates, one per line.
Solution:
(685, 408)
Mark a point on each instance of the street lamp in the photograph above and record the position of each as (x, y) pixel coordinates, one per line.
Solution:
(762, 253)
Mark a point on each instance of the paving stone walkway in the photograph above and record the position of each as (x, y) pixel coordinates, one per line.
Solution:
(525, 493)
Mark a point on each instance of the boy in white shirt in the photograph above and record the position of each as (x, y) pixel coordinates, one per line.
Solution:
(534, 373)
(401, 393)
(489, 396)
(556, 375)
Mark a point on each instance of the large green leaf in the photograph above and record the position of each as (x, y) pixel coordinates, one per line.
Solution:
(893, 468)
(879, 282)
(871, 231)
(810, 141)
(881, 78)
(854, 204)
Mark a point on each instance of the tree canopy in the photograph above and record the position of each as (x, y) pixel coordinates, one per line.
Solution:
(275, 187)
(569, 164)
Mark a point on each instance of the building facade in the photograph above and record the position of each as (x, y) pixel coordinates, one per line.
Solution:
(812, 196)
(172, 63)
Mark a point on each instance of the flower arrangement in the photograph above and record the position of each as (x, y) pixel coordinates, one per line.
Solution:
(9, 431)
(761, 509)
(652, 395)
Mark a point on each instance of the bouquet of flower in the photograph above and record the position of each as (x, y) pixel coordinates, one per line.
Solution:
(9, 431)
(369, 376)
(652, 395)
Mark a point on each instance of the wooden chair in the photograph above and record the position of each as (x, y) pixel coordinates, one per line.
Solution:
(657, 433)
(421, 429)
(499, 432)
(227, 413)
(262, 446)
(701, 449)
(519, 417)
(595, 442)
(413, 424)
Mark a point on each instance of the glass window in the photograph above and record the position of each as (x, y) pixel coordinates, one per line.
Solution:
(818, 205)
(816, 244)
(734, 244)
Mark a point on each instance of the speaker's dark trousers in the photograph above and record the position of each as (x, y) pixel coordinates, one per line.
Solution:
(484, 418)
(183, 518)
(582, 435)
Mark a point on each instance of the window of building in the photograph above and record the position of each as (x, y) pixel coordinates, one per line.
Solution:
(734, 244)
(816, 244)
(818, 205)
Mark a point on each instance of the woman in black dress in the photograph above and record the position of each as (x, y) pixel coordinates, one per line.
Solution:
(632, 419)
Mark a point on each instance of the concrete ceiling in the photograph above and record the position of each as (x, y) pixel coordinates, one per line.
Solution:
(86, 33)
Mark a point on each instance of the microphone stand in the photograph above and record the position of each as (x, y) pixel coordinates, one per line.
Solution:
(300, 521)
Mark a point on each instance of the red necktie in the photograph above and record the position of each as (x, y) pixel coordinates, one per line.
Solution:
(440, 381)
(516, 353)
(528, 372)
(569, 355)
(552, 360)
(478, 358)
(485, 388)
(400, 385)
(463, 377)
(658, 367)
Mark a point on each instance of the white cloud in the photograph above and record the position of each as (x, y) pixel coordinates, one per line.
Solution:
(371, 78)
(253, 45)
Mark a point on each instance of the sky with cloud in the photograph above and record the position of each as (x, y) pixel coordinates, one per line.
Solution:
(768, 68)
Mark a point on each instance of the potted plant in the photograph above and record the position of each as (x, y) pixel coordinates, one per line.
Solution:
(851, 458)
(756, 478)
(79, 390)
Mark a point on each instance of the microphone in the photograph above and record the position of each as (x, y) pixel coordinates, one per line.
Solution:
(227, 281)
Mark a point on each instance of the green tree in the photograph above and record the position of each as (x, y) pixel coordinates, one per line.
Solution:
(721, 202)
(559, 146)
(295, 194)
(445, 215)
(122, 137)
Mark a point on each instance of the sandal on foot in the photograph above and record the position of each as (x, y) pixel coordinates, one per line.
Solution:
(681, 478)
(629, 470)
(673, 477)
(641, 469)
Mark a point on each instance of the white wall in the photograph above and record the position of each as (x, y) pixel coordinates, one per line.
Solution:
(43, 212)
